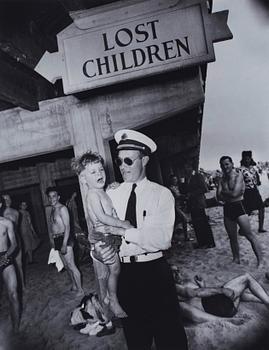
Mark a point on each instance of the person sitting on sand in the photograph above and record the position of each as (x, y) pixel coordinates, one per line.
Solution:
(8, 246)
(230, 190)
(90, 168)
(60, 238)
(200, 303)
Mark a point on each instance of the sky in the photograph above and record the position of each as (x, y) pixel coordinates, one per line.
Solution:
(236, 111)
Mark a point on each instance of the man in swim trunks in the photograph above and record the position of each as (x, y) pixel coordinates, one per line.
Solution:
(230, 190)
(59, 234)
(200, 303)
(8, 247)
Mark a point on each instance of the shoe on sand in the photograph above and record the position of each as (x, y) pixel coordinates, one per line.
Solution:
(91, 328)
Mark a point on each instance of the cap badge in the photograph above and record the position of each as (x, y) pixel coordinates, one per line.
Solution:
(124, 136)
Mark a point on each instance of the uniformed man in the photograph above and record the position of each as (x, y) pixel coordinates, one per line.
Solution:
(146, 288)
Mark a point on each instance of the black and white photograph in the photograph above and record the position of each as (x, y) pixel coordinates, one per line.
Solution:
(134, 175)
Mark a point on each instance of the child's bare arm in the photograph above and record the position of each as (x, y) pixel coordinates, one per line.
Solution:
(96, 206)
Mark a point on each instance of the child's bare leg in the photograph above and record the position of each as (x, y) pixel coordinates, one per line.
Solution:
(114, 270)
(101, 277)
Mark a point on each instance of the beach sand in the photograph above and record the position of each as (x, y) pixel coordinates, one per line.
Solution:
(47, 301)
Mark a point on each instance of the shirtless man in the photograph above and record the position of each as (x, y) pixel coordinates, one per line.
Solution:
(13, 215)
(59, 234)
(8, 246)
(200, 303)
(230, 190)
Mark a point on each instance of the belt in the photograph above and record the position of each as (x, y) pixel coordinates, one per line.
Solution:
(56, 235)
(141, 257)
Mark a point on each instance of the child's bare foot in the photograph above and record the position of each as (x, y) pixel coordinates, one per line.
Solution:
(116, 309)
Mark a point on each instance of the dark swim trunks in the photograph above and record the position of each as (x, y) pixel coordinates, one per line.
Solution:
(252, 200)
(233, 210)
(4, 262)
(58, 241)
(107, 238)
(219, 305)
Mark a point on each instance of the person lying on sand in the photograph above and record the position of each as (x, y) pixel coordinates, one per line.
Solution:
(200, 304)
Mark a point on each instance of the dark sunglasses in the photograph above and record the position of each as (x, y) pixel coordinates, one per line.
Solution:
(128, 161)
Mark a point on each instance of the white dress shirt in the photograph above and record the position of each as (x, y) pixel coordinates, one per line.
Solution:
(155, 213)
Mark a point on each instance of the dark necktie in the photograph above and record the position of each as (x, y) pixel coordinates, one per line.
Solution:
(131, 207)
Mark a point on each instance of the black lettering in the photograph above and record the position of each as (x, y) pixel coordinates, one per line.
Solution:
(106, 43)
(100, 64)
(183, 46)
(135, 57)
(153, 51)
(85, 69)
(141, 32)
(129, 39)
(115, 63)
(124, 67)
(167, 49)
(153, 28)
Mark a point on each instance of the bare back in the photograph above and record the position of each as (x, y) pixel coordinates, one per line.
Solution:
(103, 200)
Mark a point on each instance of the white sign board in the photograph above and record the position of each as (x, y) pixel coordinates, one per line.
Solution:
(141, 39)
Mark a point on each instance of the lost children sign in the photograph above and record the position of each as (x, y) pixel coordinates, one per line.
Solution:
(133, 39)
(132, 47)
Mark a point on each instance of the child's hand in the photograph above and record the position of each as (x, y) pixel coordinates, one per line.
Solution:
(113, 185)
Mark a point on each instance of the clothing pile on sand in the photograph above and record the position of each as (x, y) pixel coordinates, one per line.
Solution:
(89, 318)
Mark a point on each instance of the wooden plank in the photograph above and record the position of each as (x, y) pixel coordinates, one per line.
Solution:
(19, 87)
(141, 105)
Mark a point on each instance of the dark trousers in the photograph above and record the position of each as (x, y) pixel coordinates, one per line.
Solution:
(201, 227)
(147, 294)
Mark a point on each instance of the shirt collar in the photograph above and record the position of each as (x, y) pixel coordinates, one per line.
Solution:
(139, 184)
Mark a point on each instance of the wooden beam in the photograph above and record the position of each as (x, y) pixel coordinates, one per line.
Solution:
(17, 86)
(75, 5)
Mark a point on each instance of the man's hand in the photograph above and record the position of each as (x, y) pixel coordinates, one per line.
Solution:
(127, 225)
(63, 249)
(229, 293)
(106, 255)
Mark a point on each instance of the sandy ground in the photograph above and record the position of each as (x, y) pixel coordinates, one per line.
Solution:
(48, 302)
